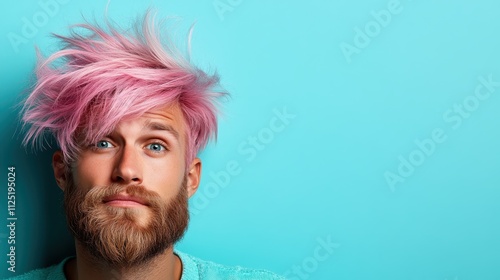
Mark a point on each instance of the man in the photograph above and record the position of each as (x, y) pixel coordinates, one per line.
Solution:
(129, 115)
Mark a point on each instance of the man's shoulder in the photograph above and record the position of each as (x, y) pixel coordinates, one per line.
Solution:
(54, 272)
(193, 269)
(196, 268)
(41, 273)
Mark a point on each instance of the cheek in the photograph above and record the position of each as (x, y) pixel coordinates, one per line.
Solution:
(164, 177)
(89, 171)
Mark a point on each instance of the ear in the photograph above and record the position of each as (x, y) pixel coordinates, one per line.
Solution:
(59, 169)
(193, 176)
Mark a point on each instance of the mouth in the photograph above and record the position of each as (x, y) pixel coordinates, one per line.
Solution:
(121, 200)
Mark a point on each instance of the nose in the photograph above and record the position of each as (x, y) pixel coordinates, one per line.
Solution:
(128, 166)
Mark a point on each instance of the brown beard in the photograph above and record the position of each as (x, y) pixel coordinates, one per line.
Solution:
(114, 235)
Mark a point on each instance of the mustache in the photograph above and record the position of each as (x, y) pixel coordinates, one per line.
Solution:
(101, 194)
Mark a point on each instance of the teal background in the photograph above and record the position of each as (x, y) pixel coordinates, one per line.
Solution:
(322, 174)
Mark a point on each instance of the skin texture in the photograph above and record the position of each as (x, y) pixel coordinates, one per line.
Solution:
(148, 152)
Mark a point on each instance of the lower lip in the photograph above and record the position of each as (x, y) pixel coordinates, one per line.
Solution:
(124, 203)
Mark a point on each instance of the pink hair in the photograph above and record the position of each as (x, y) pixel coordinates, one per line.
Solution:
(106, 76)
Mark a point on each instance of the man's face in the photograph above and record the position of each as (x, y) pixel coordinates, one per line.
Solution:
(126, 195)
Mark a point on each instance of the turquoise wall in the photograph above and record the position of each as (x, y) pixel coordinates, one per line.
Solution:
(361, 140)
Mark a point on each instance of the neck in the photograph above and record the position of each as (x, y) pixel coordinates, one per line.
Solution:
(166, 266)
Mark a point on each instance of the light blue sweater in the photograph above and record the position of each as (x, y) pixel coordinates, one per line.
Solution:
(192, 269)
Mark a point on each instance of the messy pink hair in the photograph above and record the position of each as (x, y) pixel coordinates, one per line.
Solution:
(96, 80)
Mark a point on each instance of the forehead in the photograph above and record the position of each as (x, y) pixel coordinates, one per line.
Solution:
(170, 113)
(168, 118)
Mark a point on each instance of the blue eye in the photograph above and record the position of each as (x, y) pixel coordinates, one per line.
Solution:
(103, 144)
(156, 147)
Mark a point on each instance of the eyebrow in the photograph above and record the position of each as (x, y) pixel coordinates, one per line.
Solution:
(152, 125)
